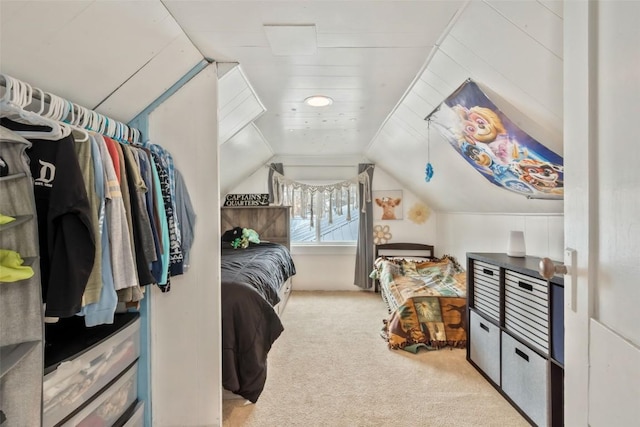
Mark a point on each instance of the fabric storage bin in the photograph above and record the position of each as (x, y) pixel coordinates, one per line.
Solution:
(106, 408)
(527, 309)
(484, 348)
(137, 419)
(75, 381)
(486, 289)
(524, 379)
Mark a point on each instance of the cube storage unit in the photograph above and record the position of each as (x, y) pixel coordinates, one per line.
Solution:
(516, 333)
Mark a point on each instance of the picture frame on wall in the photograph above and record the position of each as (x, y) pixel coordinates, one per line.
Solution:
(387, 205)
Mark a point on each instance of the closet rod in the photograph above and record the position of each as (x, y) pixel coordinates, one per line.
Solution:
(313, 166)
(106, 125)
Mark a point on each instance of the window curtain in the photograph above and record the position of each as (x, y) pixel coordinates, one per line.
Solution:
(274, 167)
(364, 248)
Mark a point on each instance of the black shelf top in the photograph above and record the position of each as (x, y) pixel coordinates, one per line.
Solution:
(70, 338)
(526, 265)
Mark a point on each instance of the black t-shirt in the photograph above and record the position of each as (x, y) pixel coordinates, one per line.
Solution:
(67, 247)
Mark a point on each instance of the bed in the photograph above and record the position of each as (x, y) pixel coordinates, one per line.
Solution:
(255, 285)
(425, 296)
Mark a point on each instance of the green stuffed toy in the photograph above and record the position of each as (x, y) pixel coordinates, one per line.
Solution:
(248, 236)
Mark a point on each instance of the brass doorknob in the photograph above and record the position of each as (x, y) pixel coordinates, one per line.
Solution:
(548, 268)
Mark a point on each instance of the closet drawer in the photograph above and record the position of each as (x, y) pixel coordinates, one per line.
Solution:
(76, 381)
(524, 379)
(526, 309)
(137, 419)
(109, 405)
(486, 289)
(484, 348)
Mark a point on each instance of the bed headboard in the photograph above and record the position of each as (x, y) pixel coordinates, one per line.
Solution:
(404, 249)
(270, 222)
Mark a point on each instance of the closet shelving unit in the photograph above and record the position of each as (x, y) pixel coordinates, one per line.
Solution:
(59, 374)
(21, 319)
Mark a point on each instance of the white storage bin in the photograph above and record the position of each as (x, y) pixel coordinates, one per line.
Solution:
(109, 406)
(76, 381)
(524, 379)
(484, 348)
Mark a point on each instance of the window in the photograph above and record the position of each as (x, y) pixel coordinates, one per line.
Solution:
(325, 216)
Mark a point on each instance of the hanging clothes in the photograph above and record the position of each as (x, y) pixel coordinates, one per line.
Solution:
(166, 172)
(122, 261)
(141, 231)
(160, 268)
(67, 245)
(186, 218)
(102, 311)
(85, 161)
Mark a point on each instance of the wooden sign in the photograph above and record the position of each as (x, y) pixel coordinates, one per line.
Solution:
(246, 200)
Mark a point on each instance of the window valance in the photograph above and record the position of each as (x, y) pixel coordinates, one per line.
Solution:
(320, 200)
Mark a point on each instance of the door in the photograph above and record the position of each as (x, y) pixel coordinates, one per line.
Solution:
(602, 213)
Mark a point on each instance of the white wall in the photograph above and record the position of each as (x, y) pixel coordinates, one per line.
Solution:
(312, 262)
(459, 233)
(404, 230)
(451, 233)
(185, 322)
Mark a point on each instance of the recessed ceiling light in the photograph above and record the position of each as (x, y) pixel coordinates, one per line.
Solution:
(318, 101)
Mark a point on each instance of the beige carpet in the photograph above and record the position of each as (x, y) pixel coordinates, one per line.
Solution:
(330, 367)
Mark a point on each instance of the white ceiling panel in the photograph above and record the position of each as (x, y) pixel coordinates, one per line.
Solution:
(416, 121)
(386, 64)
(97, 47)
(481, 29)
(490, 78)
(423, 97)
(444, 73)
(377, 39)
(543, 25)
(244, 153)
(238, 104)
(150, 82)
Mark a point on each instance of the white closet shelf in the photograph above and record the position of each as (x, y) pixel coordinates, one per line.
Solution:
(12, 354)
(20, 219)
(13, 176)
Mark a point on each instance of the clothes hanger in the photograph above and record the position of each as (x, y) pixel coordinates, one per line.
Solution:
(13, 106)
(79, 134)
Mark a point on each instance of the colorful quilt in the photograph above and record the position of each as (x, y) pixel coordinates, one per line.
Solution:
(427, 302)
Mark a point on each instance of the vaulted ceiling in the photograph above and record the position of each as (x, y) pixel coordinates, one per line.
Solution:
(386, 65)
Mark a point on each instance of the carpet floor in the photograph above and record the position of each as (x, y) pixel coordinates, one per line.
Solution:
(330, 367)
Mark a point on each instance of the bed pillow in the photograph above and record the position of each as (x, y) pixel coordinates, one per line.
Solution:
(231, 235)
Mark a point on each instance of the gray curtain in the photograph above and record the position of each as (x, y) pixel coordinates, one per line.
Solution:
(277, 167)
(364, 250)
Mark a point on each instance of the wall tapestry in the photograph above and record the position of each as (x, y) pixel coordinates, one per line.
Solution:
(497, 148)
(387, 204)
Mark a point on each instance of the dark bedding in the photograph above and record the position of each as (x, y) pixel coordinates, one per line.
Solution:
(251, 278)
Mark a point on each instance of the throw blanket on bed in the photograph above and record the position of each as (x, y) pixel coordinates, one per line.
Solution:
(427, 301)
(251, 279)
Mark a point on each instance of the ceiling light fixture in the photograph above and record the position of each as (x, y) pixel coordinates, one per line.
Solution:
(318, 101)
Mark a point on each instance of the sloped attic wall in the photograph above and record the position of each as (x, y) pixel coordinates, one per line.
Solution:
(113, 57)
(513, 50)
